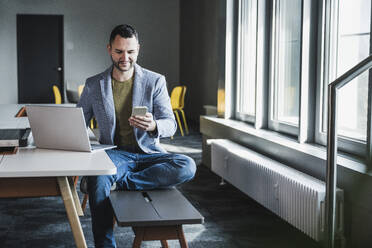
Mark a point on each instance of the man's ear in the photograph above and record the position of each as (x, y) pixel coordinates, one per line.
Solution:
(138, 47)
(109, 49)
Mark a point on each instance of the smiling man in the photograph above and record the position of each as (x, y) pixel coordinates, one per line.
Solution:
(141, 162)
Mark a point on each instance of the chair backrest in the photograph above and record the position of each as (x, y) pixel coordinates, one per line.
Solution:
(80, 89)
(178, 97)
(182, 102)
(93, 124)
(57, 95)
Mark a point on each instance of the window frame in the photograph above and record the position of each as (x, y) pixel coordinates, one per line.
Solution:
(264, 66)
(240, 47)
(273, 124)
(303, 131)
(259, 120)
(326, 52)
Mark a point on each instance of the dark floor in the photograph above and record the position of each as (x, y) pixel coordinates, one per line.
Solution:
(232, 219)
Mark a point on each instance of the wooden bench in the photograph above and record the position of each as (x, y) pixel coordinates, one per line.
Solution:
(155, 214)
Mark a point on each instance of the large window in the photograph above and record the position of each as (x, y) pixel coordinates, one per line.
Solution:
(311, 43)
(349, 43)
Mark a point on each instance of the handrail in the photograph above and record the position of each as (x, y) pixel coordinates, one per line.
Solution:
(331, 175)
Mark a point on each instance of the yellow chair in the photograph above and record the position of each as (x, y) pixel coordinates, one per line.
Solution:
(57, 95)
(93, 122)
(178, 103)
(80, 89)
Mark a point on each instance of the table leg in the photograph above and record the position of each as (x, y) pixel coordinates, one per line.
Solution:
(75, 196)
(164, 243)
(72, 215)
(140, 233)
(181, 237)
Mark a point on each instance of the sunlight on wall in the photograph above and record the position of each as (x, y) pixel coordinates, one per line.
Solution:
(221, 103)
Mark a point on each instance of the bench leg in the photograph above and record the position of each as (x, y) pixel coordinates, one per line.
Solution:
(113, 222)
(164, 243)
(84, 203)
(181, 237)
(140, 233)
(161, 233)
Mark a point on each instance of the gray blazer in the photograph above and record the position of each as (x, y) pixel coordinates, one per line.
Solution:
(149, 89)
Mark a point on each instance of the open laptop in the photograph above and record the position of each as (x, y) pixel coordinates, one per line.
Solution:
(60, 127)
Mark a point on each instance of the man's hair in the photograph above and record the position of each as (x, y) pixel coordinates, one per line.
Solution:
(125, 31)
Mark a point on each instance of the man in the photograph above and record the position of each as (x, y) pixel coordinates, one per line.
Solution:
(141, 162)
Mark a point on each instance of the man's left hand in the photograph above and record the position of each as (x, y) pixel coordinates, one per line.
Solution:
(145, 123)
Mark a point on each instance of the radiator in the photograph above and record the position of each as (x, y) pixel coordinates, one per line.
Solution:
(294, 196)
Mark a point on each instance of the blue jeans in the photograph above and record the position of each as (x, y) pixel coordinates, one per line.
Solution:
(135, 171)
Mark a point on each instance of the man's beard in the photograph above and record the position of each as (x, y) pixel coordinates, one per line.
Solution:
(116, 65)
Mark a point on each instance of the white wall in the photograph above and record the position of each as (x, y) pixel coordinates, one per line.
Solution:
(87, 26)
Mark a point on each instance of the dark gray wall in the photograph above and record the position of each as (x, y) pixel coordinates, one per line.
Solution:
(87, 26)
(199, 25)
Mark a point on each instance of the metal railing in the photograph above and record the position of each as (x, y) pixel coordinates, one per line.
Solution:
(331, 175)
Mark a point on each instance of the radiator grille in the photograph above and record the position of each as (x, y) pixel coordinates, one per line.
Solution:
(294, 196)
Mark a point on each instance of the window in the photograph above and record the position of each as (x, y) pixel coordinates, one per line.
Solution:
(246, 79)
(283, 85)
(353, 46)
(349, 43)
(286, 66)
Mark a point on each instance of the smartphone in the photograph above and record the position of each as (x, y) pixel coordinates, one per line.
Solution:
(139, 110)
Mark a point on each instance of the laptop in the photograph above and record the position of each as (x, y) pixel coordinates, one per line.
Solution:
(61, 127)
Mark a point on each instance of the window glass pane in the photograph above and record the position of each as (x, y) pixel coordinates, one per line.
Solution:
(246, 90)
(353, 46)
(288, 62)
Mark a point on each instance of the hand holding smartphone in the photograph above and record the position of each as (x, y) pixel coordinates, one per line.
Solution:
(139, 111)
(142, 119)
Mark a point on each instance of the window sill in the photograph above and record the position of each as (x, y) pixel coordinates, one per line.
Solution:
(278, 146)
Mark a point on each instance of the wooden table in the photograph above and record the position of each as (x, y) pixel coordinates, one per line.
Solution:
(33, 172)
